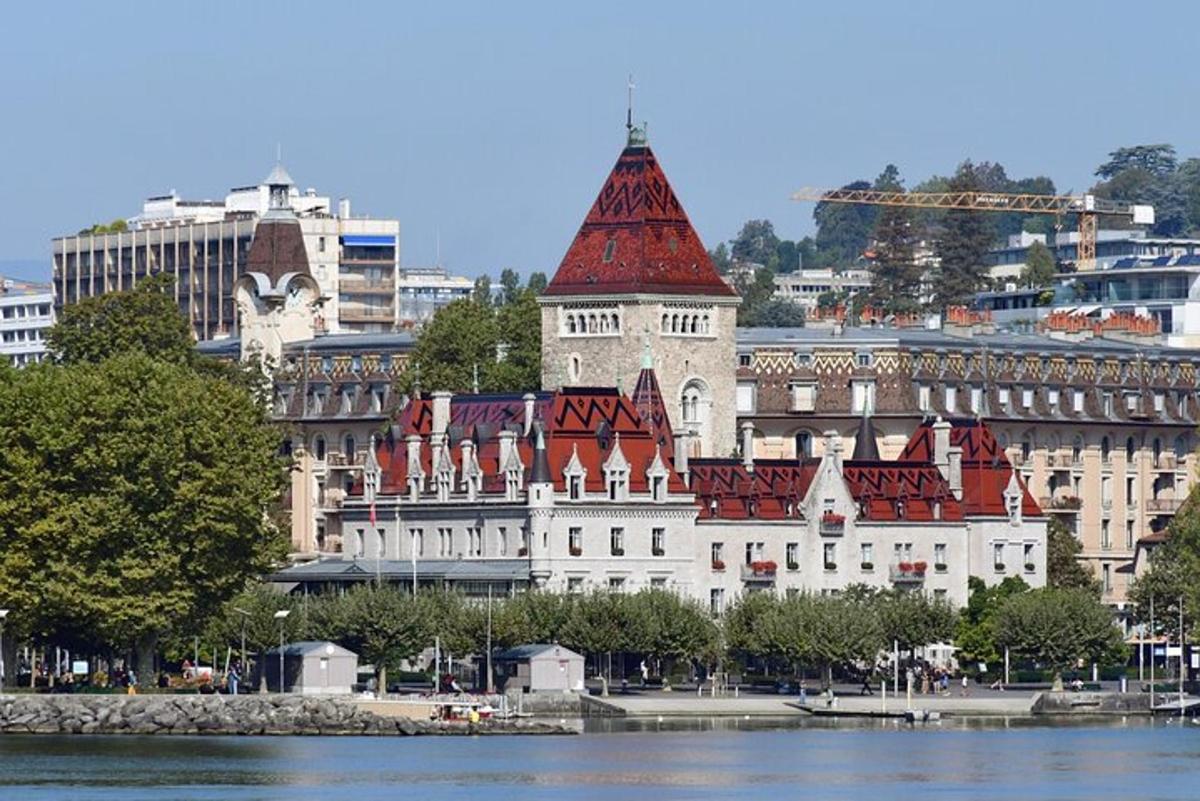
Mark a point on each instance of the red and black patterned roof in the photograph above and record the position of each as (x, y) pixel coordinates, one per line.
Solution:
(637, 239)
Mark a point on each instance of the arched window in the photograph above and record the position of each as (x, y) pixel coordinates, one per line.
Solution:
(1105, 449)
(1182, 446)
(704, 327)
(604, 324)
(1130, 449)
(695, 324)
(348, 447)
(1077, 449)
(1157, 451)
(616, 323)
(666, 323)
(591, 323)
(804, 445)
(674, 323)
(319, 447)
(570, 324)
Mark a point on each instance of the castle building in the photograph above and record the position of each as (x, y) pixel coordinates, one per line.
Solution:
(636, 273)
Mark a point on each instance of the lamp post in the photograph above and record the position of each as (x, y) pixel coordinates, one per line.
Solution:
(3, 615)
(281, 616)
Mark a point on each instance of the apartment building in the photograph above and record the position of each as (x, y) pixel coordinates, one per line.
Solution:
(26, 311)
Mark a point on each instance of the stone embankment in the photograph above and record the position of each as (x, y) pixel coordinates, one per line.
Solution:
(1091, 703)
(225, 715)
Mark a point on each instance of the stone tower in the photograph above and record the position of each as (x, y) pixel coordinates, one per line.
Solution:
(637, 276)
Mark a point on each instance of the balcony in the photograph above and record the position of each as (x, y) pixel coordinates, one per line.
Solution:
(907, 572)
(832, 525)
(1167, 506)
(361, 286)
(762, 572)
(1060, 504)
(1166, 461)
(1059, 461)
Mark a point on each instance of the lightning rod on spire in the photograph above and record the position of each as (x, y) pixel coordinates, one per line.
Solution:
(629, 105)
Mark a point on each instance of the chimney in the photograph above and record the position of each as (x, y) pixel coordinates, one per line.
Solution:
(954, 471)
(441, 412)
(414, 458)
(748, 445)
(683, 444)
(529, 399)
(941, 444)
(507, 443)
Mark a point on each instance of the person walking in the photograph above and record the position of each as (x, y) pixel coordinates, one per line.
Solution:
(232, 678)
(964, 685)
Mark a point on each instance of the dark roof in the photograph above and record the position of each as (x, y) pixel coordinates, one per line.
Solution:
(306, 647)
(520, 653)
(277, 249)
(637, 238)
(865, 447)
(398, 570)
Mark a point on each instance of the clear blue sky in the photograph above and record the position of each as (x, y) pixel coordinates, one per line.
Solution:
(495, 123)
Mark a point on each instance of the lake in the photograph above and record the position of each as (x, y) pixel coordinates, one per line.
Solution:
(1017, 759)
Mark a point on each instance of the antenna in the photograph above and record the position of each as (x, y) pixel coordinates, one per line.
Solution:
(629, 105)
(278, 153)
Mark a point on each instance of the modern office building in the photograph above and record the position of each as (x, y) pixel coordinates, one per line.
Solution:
(26, 311)
(205, 244)
(806, 286)
(424, 290)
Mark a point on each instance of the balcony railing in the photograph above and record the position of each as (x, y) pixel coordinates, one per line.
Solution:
(1166, 461)
(1059, 460)
(833, 525)
(907, 572)
(1164, 505)
(1068, 504)
(763, 571)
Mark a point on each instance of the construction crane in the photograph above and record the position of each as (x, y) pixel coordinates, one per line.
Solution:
(1087, 207)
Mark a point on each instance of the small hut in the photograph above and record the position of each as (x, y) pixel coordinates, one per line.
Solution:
(540, 667)
(312, 668)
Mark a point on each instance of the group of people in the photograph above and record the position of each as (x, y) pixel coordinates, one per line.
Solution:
(929, 679)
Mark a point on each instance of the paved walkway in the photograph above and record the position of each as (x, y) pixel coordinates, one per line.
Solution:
(689, 705)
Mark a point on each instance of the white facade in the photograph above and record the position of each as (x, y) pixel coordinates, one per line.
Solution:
(26, 311)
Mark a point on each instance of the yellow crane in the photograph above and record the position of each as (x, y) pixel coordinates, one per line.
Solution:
(1087, 207)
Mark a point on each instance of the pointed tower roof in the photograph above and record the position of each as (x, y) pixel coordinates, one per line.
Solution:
(637, 238)
(541, 463)
(865, 447)
(647, 399)
(278, 244)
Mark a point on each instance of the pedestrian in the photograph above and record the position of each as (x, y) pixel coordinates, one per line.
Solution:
(945, 682)
(231, 680)
(131, 685)
(964, 685)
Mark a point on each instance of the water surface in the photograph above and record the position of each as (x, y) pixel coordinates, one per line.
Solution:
(704, 759)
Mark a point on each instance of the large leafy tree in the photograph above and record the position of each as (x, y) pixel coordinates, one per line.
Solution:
(1059, 628)
(913, 619)
(133, 498)
(976, 635)
(962, 248)
(1174, 576)
(843, 231)
(251, 614)
(1039, 267)
(756, 242)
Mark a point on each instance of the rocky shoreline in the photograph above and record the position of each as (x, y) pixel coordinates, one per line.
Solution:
(228, 715)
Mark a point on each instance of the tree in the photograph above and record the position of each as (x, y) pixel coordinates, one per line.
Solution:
(1039, 267)
(976, 634)
(896, 277)
(529, 617)
(836, 631)
(382, 624)
(537, 282)
(756, 243)
(844, 230)
(1174, 574)
(777, 313)
(963, 246)
(145, 319)
(756, 290)
(1154, 159)
(510, 286)
(482, 293)
(133, 497)
(459, 340)
(914, 619)
(519, 331)
(252, 612)
(1059, 628)
(1063, 568)
(720, 258)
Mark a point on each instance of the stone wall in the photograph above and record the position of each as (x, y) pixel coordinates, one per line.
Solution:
(224, 715)
(1104, 703)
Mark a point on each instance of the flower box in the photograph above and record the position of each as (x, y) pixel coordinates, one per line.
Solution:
(618, 551)
(1030, 567)
(868, 566)
(718, 564)
(522, 552)
(657, 552)
(833, 518)
(764, 567)
(998, 567)
(793, 565)
(831, 565)
(940, 567)
(576, 552)
(919, 567)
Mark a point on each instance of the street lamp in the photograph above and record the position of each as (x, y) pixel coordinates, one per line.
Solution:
(3, 615)
(281, 615)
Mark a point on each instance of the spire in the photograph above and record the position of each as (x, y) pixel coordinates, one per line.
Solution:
(865, 448)
(541, 463)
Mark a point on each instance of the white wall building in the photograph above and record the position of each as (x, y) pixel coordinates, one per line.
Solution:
(26, 311)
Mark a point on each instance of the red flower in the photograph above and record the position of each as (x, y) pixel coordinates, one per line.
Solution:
(919, 567)
(905, 567)
(718, 564)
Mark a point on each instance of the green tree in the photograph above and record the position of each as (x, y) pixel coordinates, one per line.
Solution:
(896, 277)
(671, 627)
(510, 286)
(460, 339)
(1174, 574)
(844, 230)
(720, 258)
(133, 497)
(748, 626)
(1039, 267)
(252, 613)
(530, 617)
(537, 282)
(482, 293)
(976, 635)
(963, 246)
(1059, 628)
(914, 619)
(519, 332)
(756, 243)
(1063, 568)
(779, 313)
(756, 290)
(837, 631)
(382, 624)
(146, 319)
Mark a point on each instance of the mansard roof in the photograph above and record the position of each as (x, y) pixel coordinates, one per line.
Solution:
(277, 249)
(725, 489)
(637, 239)
(882, 488)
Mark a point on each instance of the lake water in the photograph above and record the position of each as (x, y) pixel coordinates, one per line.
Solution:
(694, 760)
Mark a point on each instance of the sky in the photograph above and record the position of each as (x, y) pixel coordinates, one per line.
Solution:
(490, 127)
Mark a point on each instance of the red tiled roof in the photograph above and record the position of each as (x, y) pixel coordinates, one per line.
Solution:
(647, 399)
(985, 467)
(637, 239)
(900, 491)
(774, 491)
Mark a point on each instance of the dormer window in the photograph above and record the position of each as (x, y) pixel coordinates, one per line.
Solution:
(574, 487)
(658, 488)
(618, 485)
(610, 249)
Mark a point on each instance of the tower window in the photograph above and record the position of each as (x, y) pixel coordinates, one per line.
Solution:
(610, 248)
